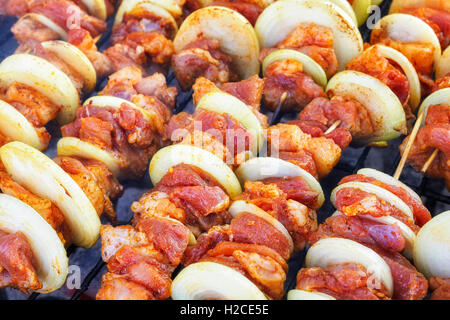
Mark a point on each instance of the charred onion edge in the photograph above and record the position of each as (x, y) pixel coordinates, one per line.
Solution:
(43, 177)
(48, 250)
(168, 157)
(263, 167)
(210, 280)
(333, 251)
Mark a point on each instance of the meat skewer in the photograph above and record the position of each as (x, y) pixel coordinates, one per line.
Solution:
(300, 51)
(44, 20)
(67, 198)
(286, 35)
(393, 209)
(141, 37)
(193, 188)
(122, 127)
(430, 134)
(110, 138)
(226, 53)
(227, 120)
(367, 275)
(422, 42)
(408, 146)
(392, 68)
(192, 192)
(40, 87)
(435, 13)
(271, 219)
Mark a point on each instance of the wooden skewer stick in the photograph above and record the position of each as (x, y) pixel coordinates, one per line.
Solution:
(333, 127)
(430, 161)
(280, 104)
(409, 144)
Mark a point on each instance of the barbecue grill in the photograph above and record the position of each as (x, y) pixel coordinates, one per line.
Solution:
(86, 266)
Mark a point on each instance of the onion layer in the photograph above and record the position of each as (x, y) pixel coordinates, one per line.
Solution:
(43, 177)
(209, 280)
(170, 156)
(48, 250)
(333, 251)
(385, 109)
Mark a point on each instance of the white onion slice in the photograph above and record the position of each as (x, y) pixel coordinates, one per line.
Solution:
(385, 109)
(16, 127)
(281, 17)
(236, 36)
(76, 59)
(387, 179)
(398, 5)
(209, 280)
(97, 8)
(265, 167)
(379, 192)
(310, 67)
(48, 250)
(170, 156)
(43, 76)
(333, 251)
(432, 249)
(409, 29)
(224, 103)
(441, 96)
(306, 295)
(43, 177)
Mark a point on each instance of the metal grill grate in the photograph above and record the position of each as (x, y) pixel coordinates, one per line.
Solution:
(433, 192)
